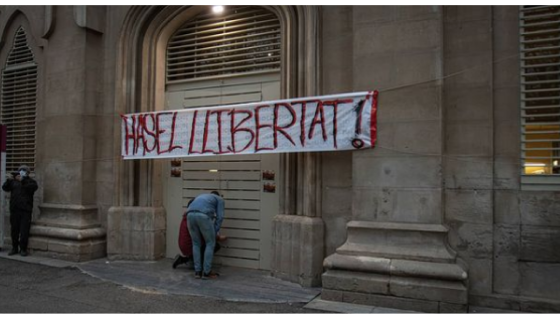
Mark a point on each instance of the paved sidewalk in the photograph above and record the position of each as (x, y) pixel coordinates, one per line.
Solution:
(234, 284)
(28, 288)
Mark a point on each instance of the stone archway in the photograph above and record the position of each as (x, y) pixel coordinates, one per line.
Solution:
(140, 87)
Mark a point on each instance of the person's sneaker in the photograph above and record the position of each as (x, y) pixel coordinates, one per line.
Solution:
(23, 253)
(210, 275)
(178, 261)
(197, 274)
(13, 252)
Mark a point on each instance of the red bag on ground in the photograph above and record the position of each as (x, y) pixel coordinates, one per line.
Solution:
(185, 240)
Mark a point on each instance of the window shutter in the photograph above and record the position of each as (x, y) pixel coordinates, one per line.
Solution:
(242, 40)
(18, 103)
(540, 94)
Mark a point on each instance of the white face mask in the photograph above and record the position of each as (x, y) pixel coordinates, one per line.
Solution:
(23, 173)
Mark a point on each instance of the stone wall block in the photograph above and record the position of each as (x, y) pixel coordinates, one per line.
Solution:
(506, 207)
(540, 280)
(540, 243)
(473, 206)
(471, 240)
(539, 208)
(468, 172)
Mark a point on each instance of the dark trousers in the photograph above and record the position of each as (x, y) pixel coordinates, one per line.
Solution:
(20, 223)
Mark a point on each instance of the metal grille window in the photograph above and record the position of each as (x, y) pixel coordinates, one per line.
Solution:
(540, 98)
(240, 41)
(18, 103)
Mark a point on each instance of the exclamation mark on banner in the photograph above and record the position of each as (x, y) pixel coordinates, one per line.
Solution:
(357, 142)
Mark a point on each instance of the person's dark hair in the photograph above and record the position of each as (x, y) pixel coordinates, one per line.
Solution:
(215, 192)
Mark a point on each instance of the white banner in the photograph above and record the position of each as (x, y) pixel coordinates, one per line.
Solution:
(325, 123)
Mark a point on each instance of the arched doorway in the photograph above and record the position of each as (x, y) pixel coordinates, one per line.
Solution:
(141, 87)
(218, 59)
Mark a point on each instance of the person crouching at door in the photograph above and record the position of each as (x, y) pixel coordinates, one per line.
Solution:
(204, 219)
(186, 245)
(22, 188)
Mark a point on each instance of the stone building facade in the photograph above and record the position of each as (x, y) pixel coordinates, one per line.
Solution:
(446, 212)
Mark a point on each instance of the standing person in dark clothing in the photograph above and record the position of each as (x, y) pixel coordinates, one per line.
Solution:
(22, 188)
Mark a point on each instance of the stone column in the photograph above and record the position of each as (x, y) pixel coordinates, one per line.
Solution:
(136, 223)
(396, 253)
(68, 225)
(298, 232)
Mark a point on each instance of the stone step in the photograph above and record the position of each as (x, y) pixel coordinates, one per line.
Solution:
(413, 288)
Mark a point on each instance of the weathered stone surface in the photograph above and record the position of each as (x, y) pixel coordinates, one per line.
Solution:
(539, 208)
(472, 206)
(136, 233)
(472, 138)
(367, 263)
(506, 207)
(506, 275)
(424, 242)
(506, 173)
(428, 289)
(540, 243)
(494, 301)
(480, 275)
(471, 240)
(540, 280)
(355, 281)
(390, 302)
(467, 172)
(68, 249)
(506, 240)
(69, 232)
(297, 244)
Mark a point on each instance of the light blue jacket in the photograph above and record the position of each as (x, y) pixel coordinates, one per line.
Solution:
(211, 205)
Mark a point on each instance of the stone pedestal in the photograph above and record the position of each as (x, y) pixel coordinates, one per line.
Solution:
(396, 265)
(136, 233)
(68, 232)
(297, 249)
